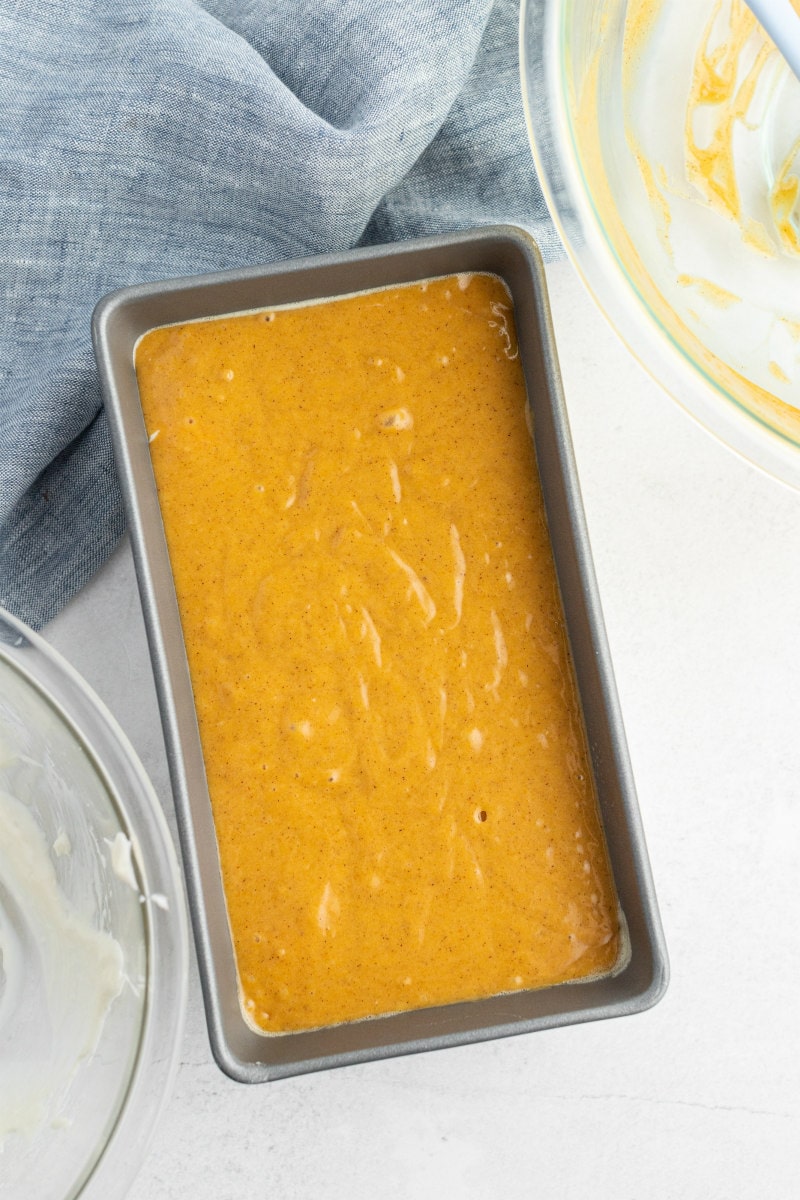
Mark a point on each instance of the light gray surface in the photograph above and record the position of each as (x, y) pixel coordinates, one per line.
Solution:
(699, 572)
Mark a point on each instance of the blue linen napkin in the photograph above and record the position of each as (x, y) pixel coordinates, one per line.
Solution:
(143, 139)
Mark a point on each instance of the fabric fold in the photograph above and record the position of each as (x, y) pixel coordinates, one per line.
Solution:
(144, 139)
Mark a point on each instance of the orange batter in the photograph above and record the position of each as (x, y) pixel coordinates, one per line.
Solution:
(395, 757)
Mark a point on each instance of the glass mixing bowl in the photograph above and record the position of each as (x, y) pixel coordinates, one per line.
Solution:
(665, 136)
(93, 937)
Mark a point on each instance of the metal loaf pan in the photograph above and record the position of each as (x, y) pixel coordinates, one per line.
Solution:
(119, 320)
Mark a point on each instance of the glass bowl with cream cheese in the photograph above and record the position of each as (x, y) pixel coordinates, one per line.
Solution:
(93, 937)
(667, 139)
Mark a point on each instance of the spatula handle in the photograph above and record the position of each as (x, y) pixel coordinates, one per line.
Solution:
(781, 20)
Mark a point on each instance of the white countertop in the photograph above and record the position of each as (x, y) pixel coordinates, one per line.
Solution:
(698, 562)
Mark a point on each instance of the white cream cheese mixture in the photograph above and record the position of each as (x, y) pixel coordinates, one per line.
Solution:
(58, 978)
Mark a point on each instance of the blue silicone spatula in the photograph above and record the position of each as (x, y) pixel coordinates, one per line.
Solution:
(781, 20)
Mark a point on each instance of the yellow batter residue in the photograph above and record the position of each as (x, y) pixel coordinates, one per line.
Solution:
(716, 85)
(397, 766)
(784, 196)
(709, 291)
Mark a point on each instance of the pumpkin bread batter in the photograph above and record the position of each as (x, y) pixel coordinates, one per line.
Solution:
(395, 756)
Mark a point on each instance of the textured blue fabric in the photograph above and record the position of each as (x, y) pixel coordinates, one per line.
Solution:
(141, 140)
